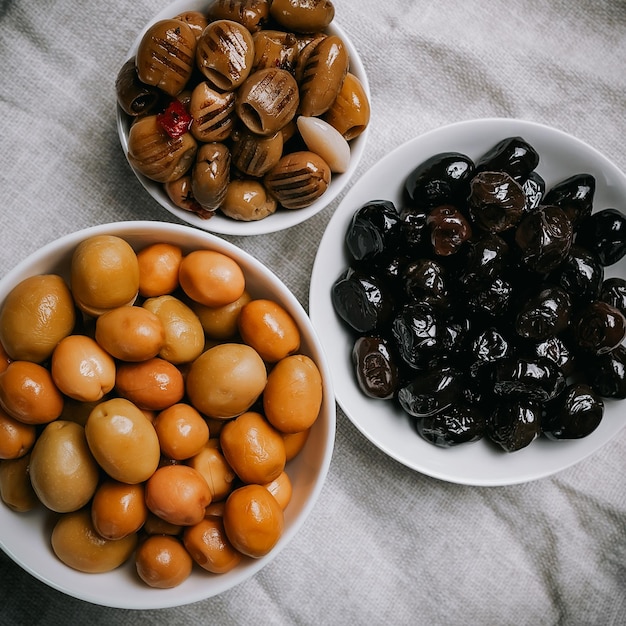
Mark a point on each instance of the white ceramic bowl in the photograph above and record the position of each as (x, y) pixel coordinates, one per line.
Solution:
(283, 218)
(25, 537)
(388, 428)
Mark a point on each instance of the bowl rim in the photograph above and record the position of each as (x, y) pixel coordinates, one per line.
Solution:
(284, 218)
(139, 595)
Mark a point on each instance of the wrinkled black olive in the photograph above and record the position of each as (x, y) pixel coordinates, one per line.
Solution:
(361, 301)
(581, 274)
(373, 229)
(607, 374)
(425, 279)
(613, 292)
(600, 328)
(537, 379)
(453, 333)
(512, 155)
(456, 424)
(544, 238)
(578, 414)
(493, 300)
(449, 229)
(604, 233)
(416, 332)
(485, 260)
(556, 349)
(432, 391)
(545, 314)
(441, 179)
(534, 188)
(514, 424)
(415, 235)
(376, 371)
(490, 345)
(496, 201)
(574, 195)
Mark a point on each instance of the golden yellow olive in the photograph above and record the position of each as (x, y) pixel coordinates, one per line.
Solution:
(209, 546)
(163, 562)
(16, 490)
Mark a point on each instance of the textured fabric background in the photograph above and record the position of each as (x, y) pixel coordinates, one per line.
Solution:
(383, 544)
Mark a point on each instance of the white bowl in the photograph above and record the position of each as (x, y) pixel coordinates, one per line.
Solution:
(387, 427)
(25, 537)
(283, 218)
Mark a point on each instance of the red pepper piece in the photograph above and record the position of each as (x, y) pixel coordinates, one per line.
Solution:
(175, 120)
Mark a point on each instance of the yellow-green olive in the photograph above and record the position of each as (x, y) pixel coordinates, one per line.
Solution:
(63, 472)
(196, 20)
(255, 154)
(210, 175)
(303, 17)
(350, 112)
(247, 200)
(253, 14)
(36, 314)
(76, 543)
(275, 48)
(212, 113)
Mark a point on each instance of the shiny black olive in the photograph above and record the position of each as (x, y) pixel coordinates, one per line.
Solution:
(415, 236)
(556, 349)
(604, 233)
(512, 155)
(534, 188)
(578, 414)
(545, 314)
(375, 367)
(514, 424)
(496, 201)
(425, 279)
(613, 291)
(373, 229)
(361, 301)
(453, 333)
(600, 328)
(490, 345)
(432, 391)
(449, 229)
(456, 424)
(415, 330)
(441, 179)
(574, 195)
(544, 238)
(538, 379)
(607, 374)
(491, 301)
(581, 274)
(485, 259)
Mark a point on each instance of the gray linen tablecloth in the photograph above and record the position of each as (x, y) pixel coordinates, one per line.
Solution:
(383, 544)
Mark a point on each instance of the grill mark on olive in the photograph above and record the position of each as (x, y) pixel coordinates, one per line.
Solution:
(236, 51)
(171, 52)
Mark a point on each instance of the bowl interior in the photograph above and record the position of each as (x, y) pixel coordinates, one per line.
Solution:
(283, 218)
(388, 428)
(26, 537)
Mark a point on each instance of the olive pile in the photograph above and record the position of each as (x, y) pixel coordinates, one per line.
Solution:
(244, 108)
(151, 404)
(481, 306)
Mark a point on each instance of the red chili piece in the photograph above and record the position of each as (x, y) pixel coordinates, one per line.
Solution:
(175, 120)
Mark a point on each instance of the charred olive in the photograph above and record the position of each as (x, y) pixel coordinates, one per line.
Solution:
(512, 155)
(375, 367)
(600, 328)
(545, 314)
(579, 413)
(212, 113)
(443, 178)
(574, 195)
(373, 230)
(581, 275)
(454, 425)
(537, 379)
(496, 202)
(604, 233)
(431, 392)
(607, 374)
(361, 301)
(514, 424)
(544, 238)
(449, 229)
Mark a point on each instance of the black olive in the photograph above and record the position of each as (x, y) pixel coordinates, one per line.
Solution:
(496, 201)
(441, 179)
(538, 379)
(485, 259)
(574, 195)
(534, 188)
(581, 274)
(449, 229)
(415, 330)
(544, 238)
(545, 314)
(514, 424)
(361, 301)
(491, 301)
(556, 349)
(415, 237)
(432, 391)
(600, 328)
(425, 279)
(456, 424)
(512, 155)
(578, 414)
(376, 371)
(373, 229)
(613, 291)
(607, 374)
(604, 233)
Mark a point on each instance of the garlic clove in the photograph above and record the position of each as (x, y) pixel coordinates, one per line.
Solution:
(326, 141)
